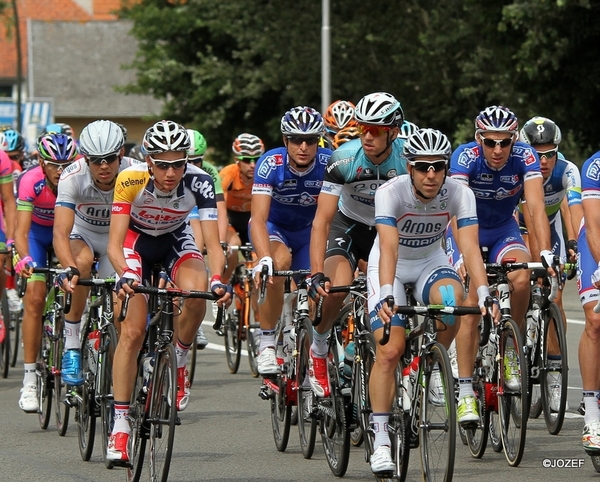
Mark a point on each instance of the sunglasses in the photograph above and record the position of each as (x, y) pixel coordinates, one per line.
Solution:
(437, 166)
(492, 143)
(58, 165)
(109, 159)
(375, 131)
(249, 160)
(165, 165)
(547, 154)
(298, 140)
(196, 160)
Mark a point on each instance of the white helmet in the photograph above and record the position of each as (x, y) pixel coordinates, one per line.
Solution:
(302, 121)
(101, 137)
(427, 142)
(379, 108)
(165, 136)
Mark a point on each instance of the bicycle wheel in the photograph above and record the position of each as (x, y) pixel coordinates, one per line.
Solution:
(108, 343)
(535, 408)
(399, 430)
(307, 420)
(438, 416)
(15, 335)
(139, 427)
(596, 462)
(232, 339)
(253, 342)
(477, 437)
(334, 427)
(365, 350)
(85, 410)
(513, 402)
(494, 432)
(192, 364)
(281, 415)
(555, 373)
(163, 415)
(5, 346)
(61, 409)
(44, 385)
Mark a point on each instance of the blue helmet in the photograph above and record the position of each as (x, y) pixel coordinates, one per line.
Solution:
(57, 148)
(14, 140)
(498, 119)
(302, 121)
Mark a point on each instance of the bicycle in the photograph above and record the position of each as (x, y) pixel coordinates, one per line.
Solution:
(240, 320)
(98, 342)
(502, 408)
(417, 418)
(282, 389)
(545, 333)
(152, 411)
(49, 380)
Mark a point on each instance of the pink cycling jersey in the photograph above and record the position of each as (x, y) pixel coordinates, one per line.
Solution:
(34, 195)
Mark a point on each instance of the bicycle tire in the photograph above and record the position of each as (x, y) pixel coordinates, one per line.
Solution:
(477, 437)
(85, 410)
(15, 327)
(535, 407)
(554, 418)
(61, 409)
(281, 415)
(108, 343)
(335, 433)
(44, 386)
(363, 364)
(192, 364)
(437, 419)
(513, 405)
(136, 448)
(232, 339)
(307, 420)
(399, 431)
(163, 414)
(495, 437)
(5, 346)
(596, 462)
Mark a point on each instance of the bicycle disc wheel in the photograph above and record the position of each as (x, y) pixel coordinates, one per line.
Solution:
(307, 420)
(334, 426)
(477, 437)
(5, 346)
(513, 401)
(232, 339)
(192, 364)
(555, 373)
(163, 415)
(139, 428)
(15, 335)
(281, 415)
(108, 343)
(85, 410)
(438, 416)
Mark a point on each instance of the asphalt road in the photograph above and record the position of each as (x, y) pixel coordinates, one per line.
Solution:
(226, 435)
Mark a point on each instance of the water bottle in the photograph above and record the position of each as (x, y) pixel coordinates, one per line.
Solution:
(533, 317)
(409, 381)
(148, 365)
(490, 350)
(347, 365)
(93, 345)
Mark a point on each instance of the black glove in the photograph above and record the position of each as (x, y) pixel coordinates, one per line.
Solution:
(67, 274)
(316, 280)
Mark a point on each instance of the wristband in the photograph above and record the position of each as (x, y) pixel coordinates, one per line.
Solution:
(482, 292)
(386, 290)
(215, 280)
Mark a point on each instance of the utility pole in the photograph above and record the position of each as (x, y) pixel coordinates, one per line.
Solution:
(325, 58)
(19, 64)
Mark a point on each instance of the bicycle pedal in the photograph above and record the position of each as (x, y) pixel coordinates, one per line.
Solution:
(264, 394)
(469, 425)
(177, 421)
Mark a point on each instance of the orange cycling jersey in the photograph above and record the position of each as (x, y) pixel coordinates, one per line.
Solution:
(238, 194)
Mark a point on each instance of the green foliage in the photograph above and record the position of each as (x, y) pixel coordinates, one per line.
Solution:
(228, 67)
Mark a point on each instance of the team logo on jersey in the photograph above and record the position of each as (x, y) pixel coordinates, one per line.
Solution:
(313, 183)
(94, 214)
(306, 199)
(337, 163)
(205, 188)
(593, 170)
(548, 187)
(514, 179)
(270, 164)
(368, 172)
(391, 173)
(467, 157)
(486, 177)
(504, 193)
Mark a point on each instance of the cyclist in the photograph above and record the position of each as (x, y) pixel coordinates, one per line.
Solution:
(407, 207)
(498, 169)
(36, 199)
(344, 135)
(14, 145)
(237, 179)
(287, 182)
(343, 230)
(81, 221)
(407, 129)
(338, 115)
(196, 157)
(148, 226)
(7, 216)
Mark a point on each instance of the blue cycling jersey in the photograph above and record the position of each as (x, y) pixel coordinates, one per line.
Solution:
(497, 192)
(293, 193)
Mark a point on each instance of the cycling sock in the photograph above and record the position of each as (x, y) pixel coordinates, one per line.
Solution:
(121, 417)
(181, 350)
(379, 423)
(465, 387)
(267, 339)
(71, 331)
(319, 344)
(29, 377)
(592, 411)
(554, 363)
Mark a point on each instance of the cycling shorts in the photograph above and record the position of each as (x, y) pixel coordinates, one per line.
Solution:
(97, 244)
(239, 221)
(586, 265)
(40, 239)
(349, 238)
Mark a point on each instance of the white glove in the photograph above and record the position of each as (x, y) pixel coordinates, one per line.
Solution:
(265, 261)
(482, 292)
(547, 258)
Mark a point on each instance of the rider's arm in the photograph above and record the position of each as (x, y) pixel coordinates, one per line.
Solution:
(468, 242)
(222, 218)
(22, 232)
(216, 258)
(326, 209)
(591, 208)
(9, 207)
(534, 195)
(119, 224)
(261, 204)
(388, 253)
(64, 218)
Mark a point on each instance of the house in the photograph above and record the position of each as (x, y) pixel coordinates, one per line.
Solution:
(73, 55)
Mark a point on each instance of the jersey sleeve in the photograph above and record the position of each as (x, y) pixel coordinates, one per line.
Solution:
(590, 180)
(265, 173)
(5, 168)
(463, 161)
(129, 183)
(572, 183)
(334, 178)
